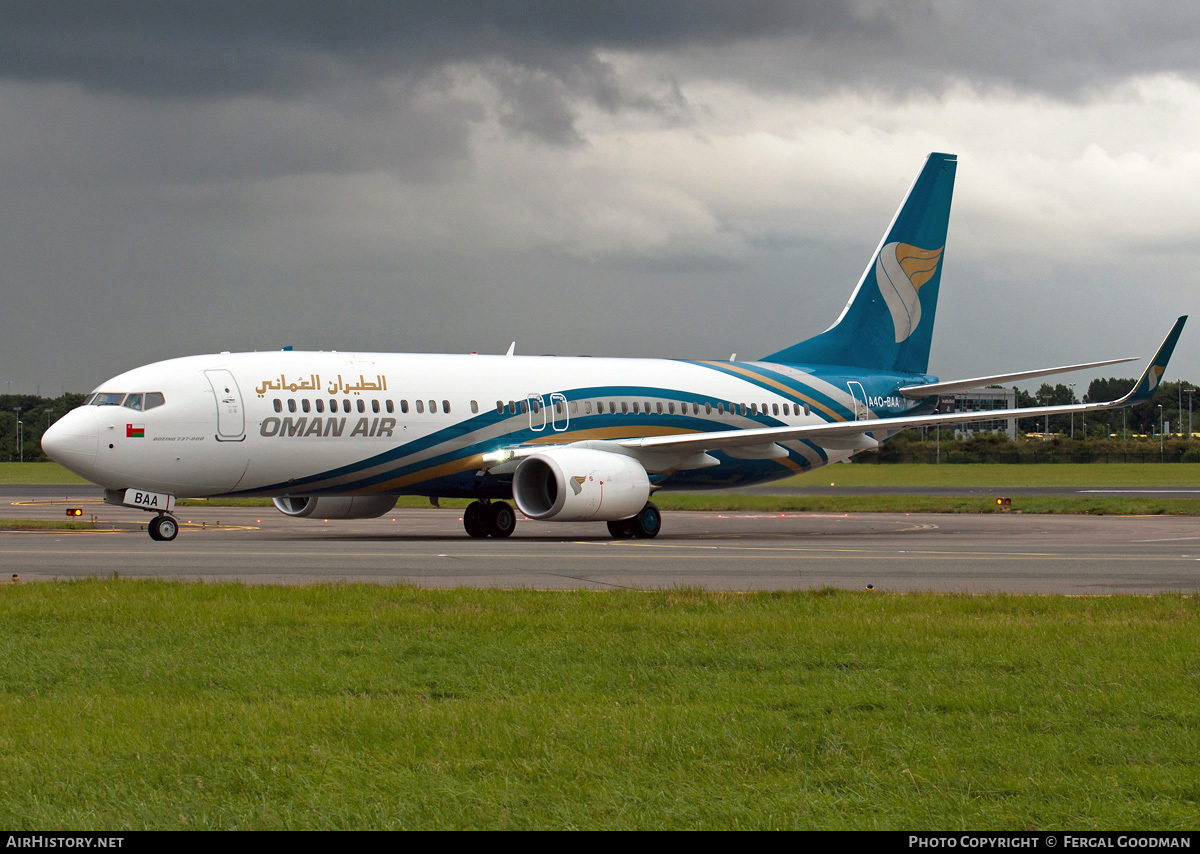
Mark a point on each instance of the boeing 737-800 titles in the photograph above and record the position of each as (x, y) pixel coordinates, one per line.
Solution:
(341, 435)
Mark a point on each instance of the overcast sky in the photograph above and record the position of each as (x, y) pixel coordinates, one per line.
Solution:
(682, 179)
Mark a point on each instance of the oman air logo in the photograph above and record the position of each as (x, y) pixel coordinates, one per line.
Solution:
(1155, 374)
(900, 272)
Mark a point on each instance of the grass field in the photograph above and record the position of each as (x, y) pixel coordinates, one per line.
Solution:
(865, 476)
(147, 704)
(859, 475)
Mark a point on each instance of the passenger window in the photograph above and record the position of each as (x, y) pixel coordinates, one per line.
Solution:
(624, 408)
(707, 408)
(446, 406)
(524, 407)
(278, 404)
(389, 406)
(774, 408)
(754, 409)
(304, 404)
(362, 405)
(474, 406)
(658, 406)
(558, 407)
(587, 407)
(499, 407)
(375, 406)
(404, 406)
(291, 405)
(806, 409)
(785, 409)
(346, 405)
(720, 409)
(420, 406)
(635, 407)
(671, 407)
(695, 407)
(320, 404)
(332, 405)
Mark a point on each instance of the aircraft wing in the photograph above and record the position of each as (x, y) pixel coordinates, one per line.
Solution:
(664, 453)
(834, 434)
(917, 392)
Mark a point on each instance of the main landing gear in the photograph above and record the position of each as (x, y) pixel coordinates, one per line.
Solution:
(489, 519)
(645, 525)
(163, 527)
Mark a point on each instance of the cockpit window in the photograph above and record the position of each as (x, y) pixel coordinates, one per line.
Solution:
(137, 401)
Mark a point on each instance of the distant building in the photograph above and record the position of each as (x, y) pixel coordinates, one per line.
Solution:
(982, 400)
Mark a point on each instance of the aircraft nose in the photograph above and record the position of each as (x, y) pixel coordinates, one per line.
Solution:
(72, 440)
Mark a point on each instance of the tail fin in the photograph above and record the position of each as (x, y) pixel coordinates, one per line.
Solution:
(888, 323)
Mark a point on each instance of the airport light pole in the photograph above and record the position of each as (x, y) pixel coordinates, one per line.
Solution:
(1161, 456)
(1190, 392)
(17, 410)
(1072, 385)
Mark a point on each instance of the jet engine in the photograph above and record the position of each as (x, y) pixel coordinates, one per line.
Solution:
(578, 485)
(335, 506)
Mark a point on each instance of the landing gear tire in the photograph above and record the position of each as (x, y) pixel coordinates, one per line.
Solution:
(647, 523)
(475, 519)
(621, 529)
(501, 520)
(163, 528)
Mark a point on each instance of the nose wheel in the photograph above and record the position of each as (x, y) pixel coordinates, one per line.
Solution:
(163, 528)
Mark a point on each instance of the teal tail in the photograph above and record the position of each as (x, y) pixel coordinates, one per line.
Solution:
(888, 323)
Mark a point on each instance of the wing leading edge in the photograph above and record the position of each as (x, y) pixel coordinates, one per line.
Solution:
(841, 430)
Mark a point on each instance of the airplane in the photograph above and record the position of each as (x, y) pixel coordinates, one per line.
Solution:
(333, 435)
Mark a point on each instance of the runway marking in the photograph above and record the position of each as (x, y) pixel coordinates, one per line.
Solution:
(53, 502)
(727, 553)
(1144, 491)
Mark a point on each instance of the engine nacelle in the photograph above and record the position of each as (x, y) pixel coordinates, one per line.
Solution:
(335, 506)
(580, 485)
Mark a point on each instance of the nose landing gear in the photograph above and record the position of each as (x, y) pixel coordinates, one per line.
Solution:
(163, 527)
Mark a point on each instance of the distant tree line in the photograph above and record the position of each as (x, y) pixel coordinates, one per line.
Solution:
(1093, 434)
(35, 414)
(1142, 419)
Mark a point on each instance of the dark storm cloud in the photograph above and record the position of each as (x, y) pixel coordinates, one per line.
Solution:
(228, 47)
(222, 48)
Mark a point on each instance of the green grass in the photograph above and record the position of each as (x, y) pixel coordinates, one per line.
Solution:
(37, 473)
(863, 475)
(43, 525)
(1069, 504)
(156, 705)
(1001, 474)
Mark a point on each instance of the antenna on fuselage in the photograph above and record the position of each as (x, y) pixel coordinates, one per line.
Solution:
(511, 348)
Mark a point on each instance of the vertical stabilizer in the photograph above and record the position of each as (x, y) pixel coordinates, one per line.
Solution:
(888, 323)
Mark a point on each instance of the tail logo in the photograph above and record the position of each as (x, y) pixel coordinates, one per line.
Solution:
(1154, 375)
(900, 272)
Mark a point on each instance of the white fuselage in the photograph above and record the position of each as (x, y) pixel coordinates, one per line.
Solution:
(326, 423)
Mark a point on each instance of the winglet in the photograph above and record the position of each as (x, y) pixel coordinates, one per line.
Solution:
(1144, 389)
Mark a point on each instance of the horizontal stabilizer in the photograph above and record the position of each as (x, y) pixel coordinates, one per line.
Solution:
(917, 392)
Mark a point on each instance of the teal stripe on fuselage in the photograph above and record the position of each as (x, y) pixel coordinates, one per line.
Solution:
(398, 461)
